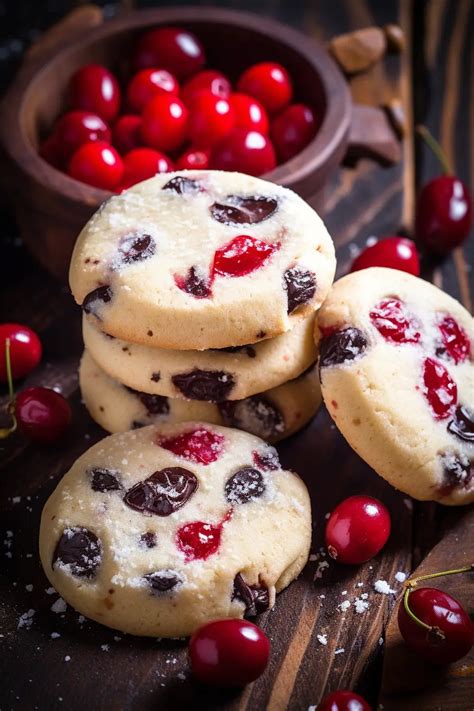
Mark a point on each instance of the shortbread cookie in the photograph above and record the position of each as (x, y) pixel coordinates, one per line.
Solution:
(159, 530)
(215, 375)
(397, 376)
(272, 415)
(198, 260)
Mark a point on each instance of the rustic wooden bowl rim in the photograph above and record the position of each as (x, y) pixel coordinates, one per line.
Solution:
(332, 131)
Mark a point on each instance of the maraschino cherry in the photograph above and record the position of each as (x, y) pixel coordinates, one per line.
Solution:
(148, 83)
(94, 88)
(244, 151)
(174, 49)
(25, 350)
(392, 252)
(357, 529)
(193, 159)
(208, 80)
(78, 127)
(164, 123)
(126, 133)
(268, 82)
(229, 653)
(292, 130)
(211, 118)
(343, 701)
(98, 164)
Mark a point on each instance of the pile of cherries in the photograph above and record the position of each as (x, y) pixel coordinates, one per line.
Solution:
(174, 114)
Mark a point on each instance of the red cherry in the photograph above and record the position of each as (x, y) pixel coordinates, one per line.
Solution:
(357, 529)
(229, 652)
(199, 540)
(193, 160)
(149, 83)
(249, 113)
(201, 446)
(42, 414)
(164, 123)
(436, 609)
(439, 389)
(292, 130)
(172, 48)
(51, 151)
(455, 341)
(242, 255)
(268, 82)
(126, 133)
(210, 119)
(393, 320)
(443, 214)
(94, 88)
(392, 252)
(78, 127)
(244, 151)
(25, 350)
(208, 80)
(143, 163)
(343, 701)
(97, 164)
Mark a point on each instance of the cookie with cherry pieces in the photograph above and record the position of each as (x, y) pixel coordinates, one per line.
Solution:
(202, 259)
(158, 530)
(397, 376)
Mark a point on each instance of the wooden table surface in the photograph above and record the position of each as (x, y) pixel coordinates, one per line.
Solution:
(105, 672)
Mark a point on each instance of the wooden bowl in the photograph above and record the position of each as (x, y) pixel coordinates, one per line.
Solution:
(52, 208)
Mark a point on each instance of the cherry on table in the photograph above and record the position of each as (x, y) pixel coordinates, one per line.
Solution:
(357, 529)
(78, 127)
(207, 80)
(143, 163)
(229, 652)
(126, 133)
(25, 350)
(244, 151)
(268, 82)
(392, 252)
(292, 130)
(193, 159)
(94, 88)
(174, 49)
(249, 113)
(146, 84)
(211, 118)
(342, 700)
(98, 164)
(164, 123)
(42, 414)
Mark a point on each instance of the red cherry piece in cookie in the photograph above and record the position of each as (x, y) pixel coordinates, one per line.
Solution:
(455, 341)
(148, 83)
(268, 82)
(193, 159)
(292, 130)
(43, 415)
(249, 113)
(394, 322)
(78, 127)
(143, 163)
(443, 214)
(126, 133)
(229, 653)
(172, 48)
(95, 88)
(442, 611)
(208, 80)
(357, 529)
(25, 350)
(242, 255)
(97, 164)
(200, 446)
(343, 701)
(210, 119)
(199, 540)
(392, 252)
(439, 389)
(164, 123)
(244, 151)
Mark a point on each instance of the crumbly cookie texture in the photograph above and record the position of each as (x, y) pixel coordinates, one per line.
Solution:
(159, 530)
(202, 259)
(214, 375)
(272, 415)
(397, 376)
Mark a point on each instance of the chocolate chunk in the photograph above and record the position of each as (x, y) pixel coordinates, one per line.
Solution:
(240, 210)
(357, 51)
(104, 479)
(155, 404)
(148, 539)
(458, 472)
(136, 248)
(462, 424)
(163, 493)
(255, 414)
(249, 350)
(395, 38)
(210, 385)
(244, 486)
(136, 425)
(182, 185)
(80, 550)
(155, 377)
(340, 346)
(267, 459)
(93, 300)
(300, 286)
(256, 598)
(163, 580)
(194, 283)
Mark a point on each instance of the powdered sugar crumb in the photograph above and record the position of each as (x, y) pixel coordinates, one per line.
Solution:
(400, 577)
(381, 586)
(322, 639)
(340, 651)
(59, 606)
(26, 620)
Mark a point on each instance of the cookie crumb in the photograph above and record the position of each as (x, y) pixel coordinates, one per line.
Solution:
(59, 606)
(381, 586)
(400, 577)
(322, 639)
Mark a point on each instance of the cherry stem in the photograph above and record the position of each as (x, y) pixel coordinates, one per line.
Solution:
(435, 147)
(5, 431)
(413, 582)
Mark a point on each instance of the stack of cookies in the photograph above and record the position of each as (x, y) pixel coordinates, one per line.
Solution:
(199, 292)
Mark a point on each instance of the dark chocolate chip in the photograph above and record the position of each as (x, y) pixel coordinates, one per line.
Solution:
(163, 580)
(256, 598)
(136, 425)
(104, 479)
(249, 350)
(155, 404)
(300, 287)
(267, 459)
(462, 424)
(80, 550)
(255, 414)
(155, 377)
(93, 300)
(244, 486)
(341, 346)
(163, 493)
(182, 185)
(458, 472)
(210, 385)
(148, 539)
(261, 334)
(195, 283)
(240, 210)
(136, 248)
